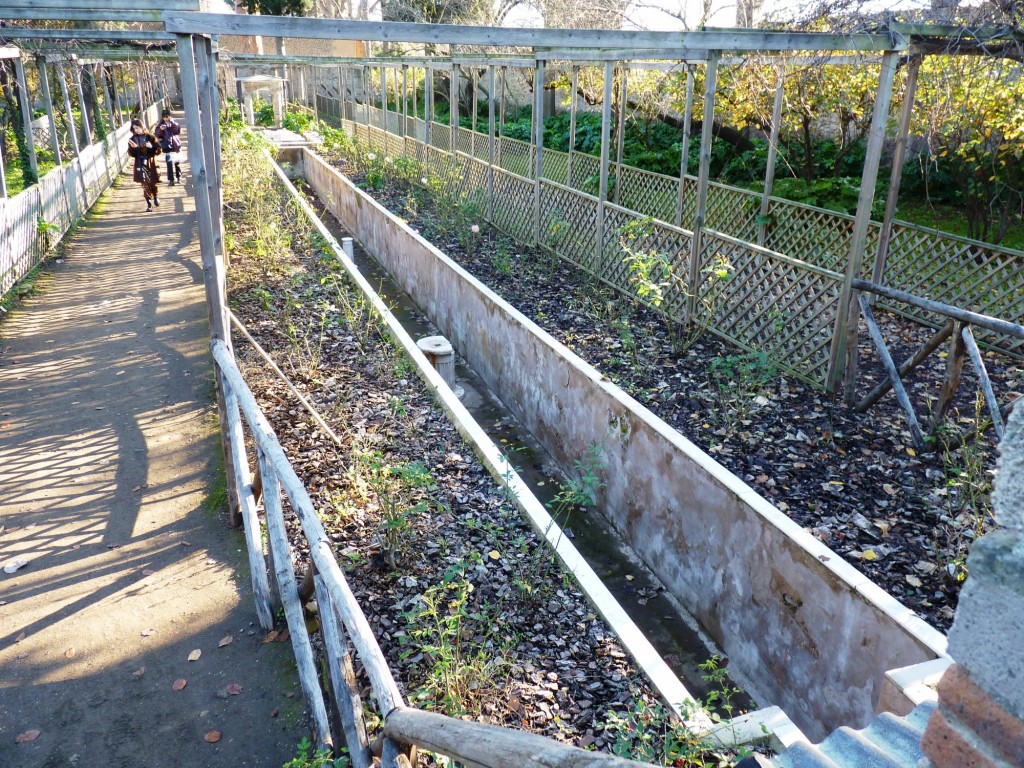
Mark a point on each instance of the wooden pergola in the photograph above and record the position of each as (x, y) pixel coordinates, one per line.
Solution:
(194, 35)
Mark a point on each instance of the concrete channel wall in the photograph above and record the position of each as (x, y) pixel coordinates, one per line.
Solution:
(813, 634)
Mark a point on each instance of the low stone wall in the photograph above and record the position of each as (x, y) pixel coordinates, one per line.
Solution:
(812, 634)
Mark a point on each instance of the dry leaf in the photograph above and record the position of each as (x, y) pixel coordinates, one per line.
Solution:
(148, 572)
(19, 638)
(212, 737)
(226, 640)
(234, 689)
(139, 672)
(179, 684)
(27, 736)
(889, 489)
(494, 554)
(271, 636)
(194, 656)
(148, 632)
(69, 653)
(914, 581)
(273, 712)
(283, 636)
(869, 555)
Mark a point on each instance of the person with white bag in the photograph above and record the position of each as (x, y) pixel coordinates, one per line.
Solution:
(167, 134)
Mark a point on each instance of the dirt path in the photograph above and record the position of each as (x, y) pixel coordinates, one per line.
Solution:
(108, 453)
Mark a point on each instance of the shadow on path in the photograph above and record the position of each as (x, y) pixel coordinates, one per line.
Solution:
(108, 454)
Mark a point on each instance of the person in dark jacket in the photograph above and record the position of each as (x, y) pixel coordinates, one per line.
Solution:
(167, 132)
(144, 147)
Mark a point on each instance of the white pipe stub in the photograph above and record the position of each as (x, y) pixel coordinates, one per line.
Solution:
(439, 351)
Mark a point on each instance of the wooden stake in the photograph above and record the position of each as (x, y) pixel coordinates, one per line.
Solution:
(894, 376)
(773, 149)
(954, 367)
(44, 83)
(602, 193)
(538, 146)
(24, 106)
(490, 141)
(907, 366)
(983, 379)
(620, 131)
(572, 125)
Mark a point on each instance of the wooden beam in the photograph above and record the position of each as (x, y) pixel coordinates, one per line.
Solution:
(894, 377)
(703, 178)
(661, 59)
(983, 379)
(684, 159)
(842, 355)
(995, 324)
(491, 746)
(573, 99)
(125, 35)
(396, 31)
(490, 141)
(620, 130)
(907, 366)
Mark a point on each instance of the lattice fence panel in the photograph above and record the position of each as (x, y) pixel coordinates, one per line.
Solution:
(569, 224)
(513, 204)
(671, 243)
(556, 166)
(814, 235)
(586, 173)
(474, 183)
(732, 211)
(771, 304)
(440, 136)
(651, 194)
(465, 139)
(517, 157)
(689, 212)
(957, 271)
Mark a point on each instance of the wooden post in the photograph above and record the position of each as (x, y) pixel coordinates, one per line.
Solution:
(773, 149)
(80, 171)
(428, 98)
(196, 102)
(121, 116)
(82, 107)
(343, 678)
(404, 132)
(538, 145)
(384, 100)
(954, 368)
(620, 130)
(472, 122)
(572, 125)
(209, 71)
(453, 108)
(843, 354)
(703, 178)
(895, 176)
(44, 82)
(490, 141)
(277, 536)
(111, 106)
(602, 189)
(3, 178)
(25, 106)
(501, 115)
(684, 161)
(316, 107)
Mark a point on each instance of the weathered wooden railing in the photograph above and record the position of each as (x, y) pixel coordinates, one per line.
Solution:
(34, 221)
(343, 622)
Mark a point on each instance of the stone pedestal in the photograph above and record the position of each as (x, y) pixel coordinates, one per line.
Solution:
(980, 718)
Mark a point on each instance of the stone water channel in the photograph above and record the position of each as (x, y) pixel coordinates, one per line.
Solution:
(671, 630)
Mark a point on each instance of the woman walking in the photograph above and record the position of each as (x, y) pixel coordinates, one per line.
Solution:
(167, 133)
(144, 147)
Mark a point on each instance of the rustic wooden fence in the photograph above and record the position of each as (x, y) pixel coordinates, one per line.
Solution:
(34, 221)
(787, 263)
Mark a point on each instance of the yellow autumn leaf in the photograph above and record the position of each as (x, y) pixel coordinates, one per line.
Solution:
(494, 554)
(869, 555)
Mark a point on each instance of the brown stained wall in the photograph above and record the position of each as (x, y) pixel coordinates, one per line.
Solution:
(813, 635)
